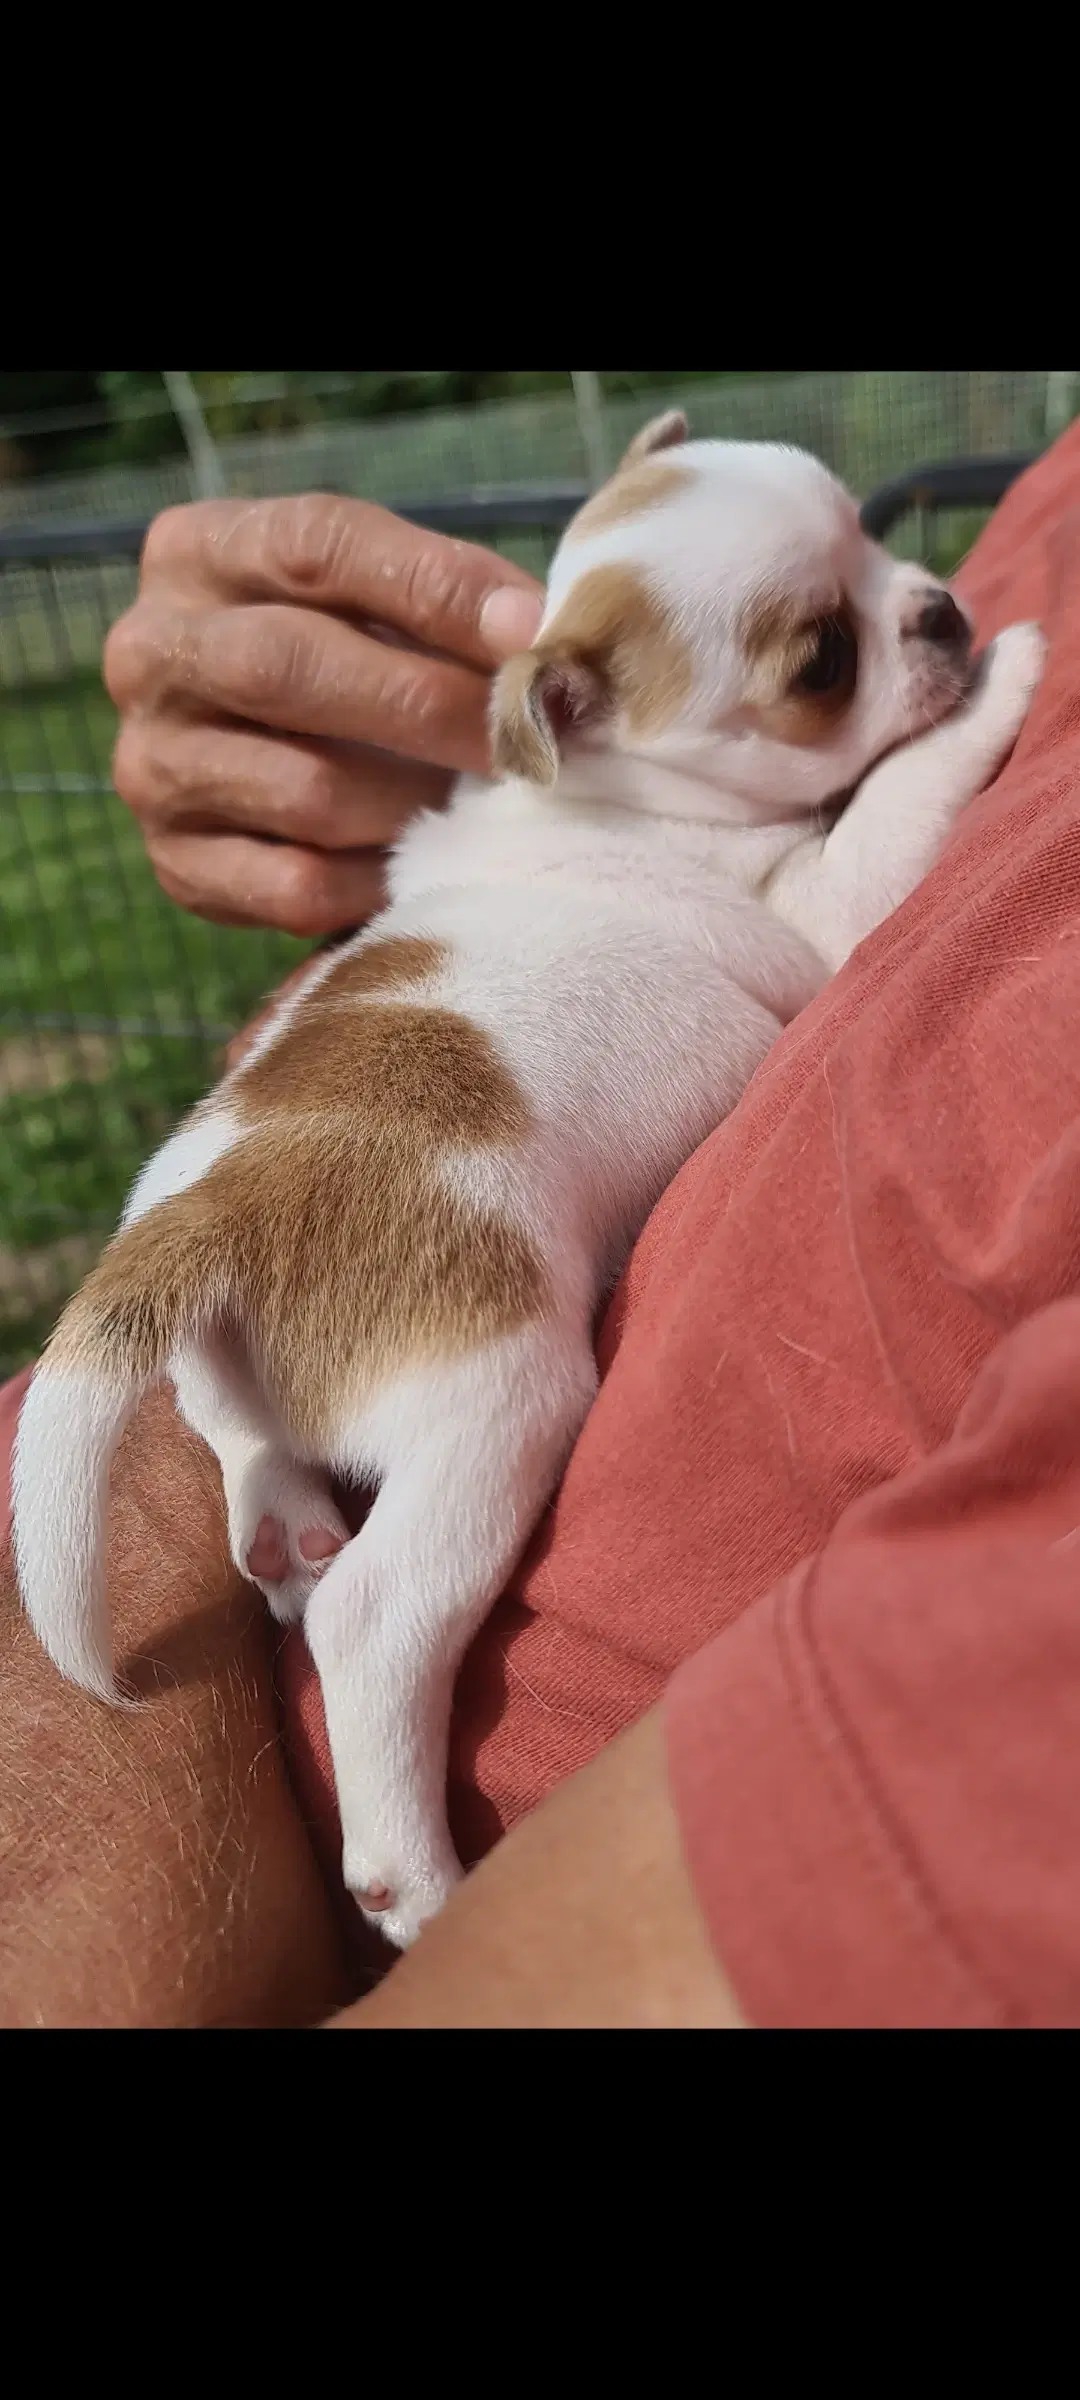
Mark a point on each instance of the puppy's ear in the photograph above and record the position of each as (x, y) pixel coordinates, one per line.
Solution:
(613, 652)
(538, 699)
(664, 433)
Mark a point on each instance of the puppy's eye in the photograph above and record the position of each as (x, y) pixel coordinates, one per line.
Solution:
(833, 664)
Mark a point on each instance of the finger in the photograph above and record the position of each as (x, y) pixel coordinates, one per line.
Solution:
(353, 557)
(234, 879)
(293, 670)
(199, 778)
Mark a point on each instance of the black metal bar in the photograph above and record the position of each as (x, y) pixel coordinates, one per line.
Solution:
(34, 542)
(957, 483)
(548, 507)
(961, 483)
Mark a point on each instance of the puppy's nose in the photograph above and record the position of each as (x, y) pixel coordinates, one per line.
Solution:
(941, 621)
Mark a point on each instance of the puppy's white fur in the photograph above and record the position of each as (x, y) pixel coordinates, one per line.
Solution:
(631, 940)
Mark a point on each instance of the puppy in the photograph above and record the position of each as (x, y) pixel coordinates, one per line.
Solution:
(375, 1252)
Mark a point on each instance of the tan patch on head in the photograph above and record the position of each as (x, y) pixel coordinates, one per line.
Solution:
(644, 484)
(613, 620)
(780, 639)
(326, 1240)
(777, 633)
(612, 651)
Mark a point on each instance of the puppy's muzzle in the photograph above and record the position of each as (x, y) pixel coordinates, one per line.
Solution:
(942, 623)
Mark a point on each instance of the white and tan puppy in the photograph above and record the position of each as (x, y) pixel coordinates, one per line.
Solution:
(376, 1251)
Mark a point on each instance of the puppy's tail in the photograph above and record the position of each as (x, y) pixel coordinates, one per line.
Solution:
(153, 1285)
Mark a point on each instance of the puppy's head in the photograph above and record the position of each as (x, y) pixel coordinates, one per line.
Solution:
(718, 606)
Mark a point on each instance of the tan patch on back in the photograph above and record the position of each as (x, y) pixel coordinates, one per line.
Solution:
(422, 1069)
(326, 1238)
(642, 485)
(389, 965)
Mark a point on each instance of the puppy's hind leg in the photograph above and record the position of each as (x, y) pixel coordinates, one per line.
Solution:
(284, 1528)
(469, 1454)
(283, 1525)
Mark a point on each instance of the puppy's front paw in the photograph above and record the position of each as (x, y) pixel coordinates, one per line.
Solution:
(1012, 672)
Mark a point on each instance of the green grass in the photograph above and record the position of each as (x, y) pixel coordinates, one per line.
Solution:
(83, 926)
(89, 944)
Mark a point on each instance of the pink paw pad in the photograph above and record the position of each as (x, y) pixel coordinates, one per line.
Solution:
(269, 1552)
(319, 1544)
(376, 1899)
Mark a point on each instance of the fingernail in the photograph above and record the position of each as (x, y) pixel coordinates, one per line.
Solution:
(510, 620)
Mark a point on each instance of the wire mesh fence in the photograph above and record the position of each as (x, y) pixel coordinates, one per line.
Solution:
(867, 425)
(114, 1004)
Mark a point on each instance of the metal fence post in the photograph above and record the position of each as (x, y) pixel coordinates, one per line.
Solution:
(588, 393)
(206, 466)
(1060, 403)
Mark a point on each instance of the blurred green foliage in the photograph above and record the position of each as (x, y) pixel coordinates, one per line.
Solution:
(136, 425)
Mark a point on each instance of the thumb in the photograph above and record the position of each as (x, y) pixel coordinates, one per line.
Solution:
(510, 620)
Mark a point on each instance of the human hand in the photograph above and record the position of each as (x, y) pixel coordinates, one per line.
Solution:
(295, 679)
(583, 1918)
